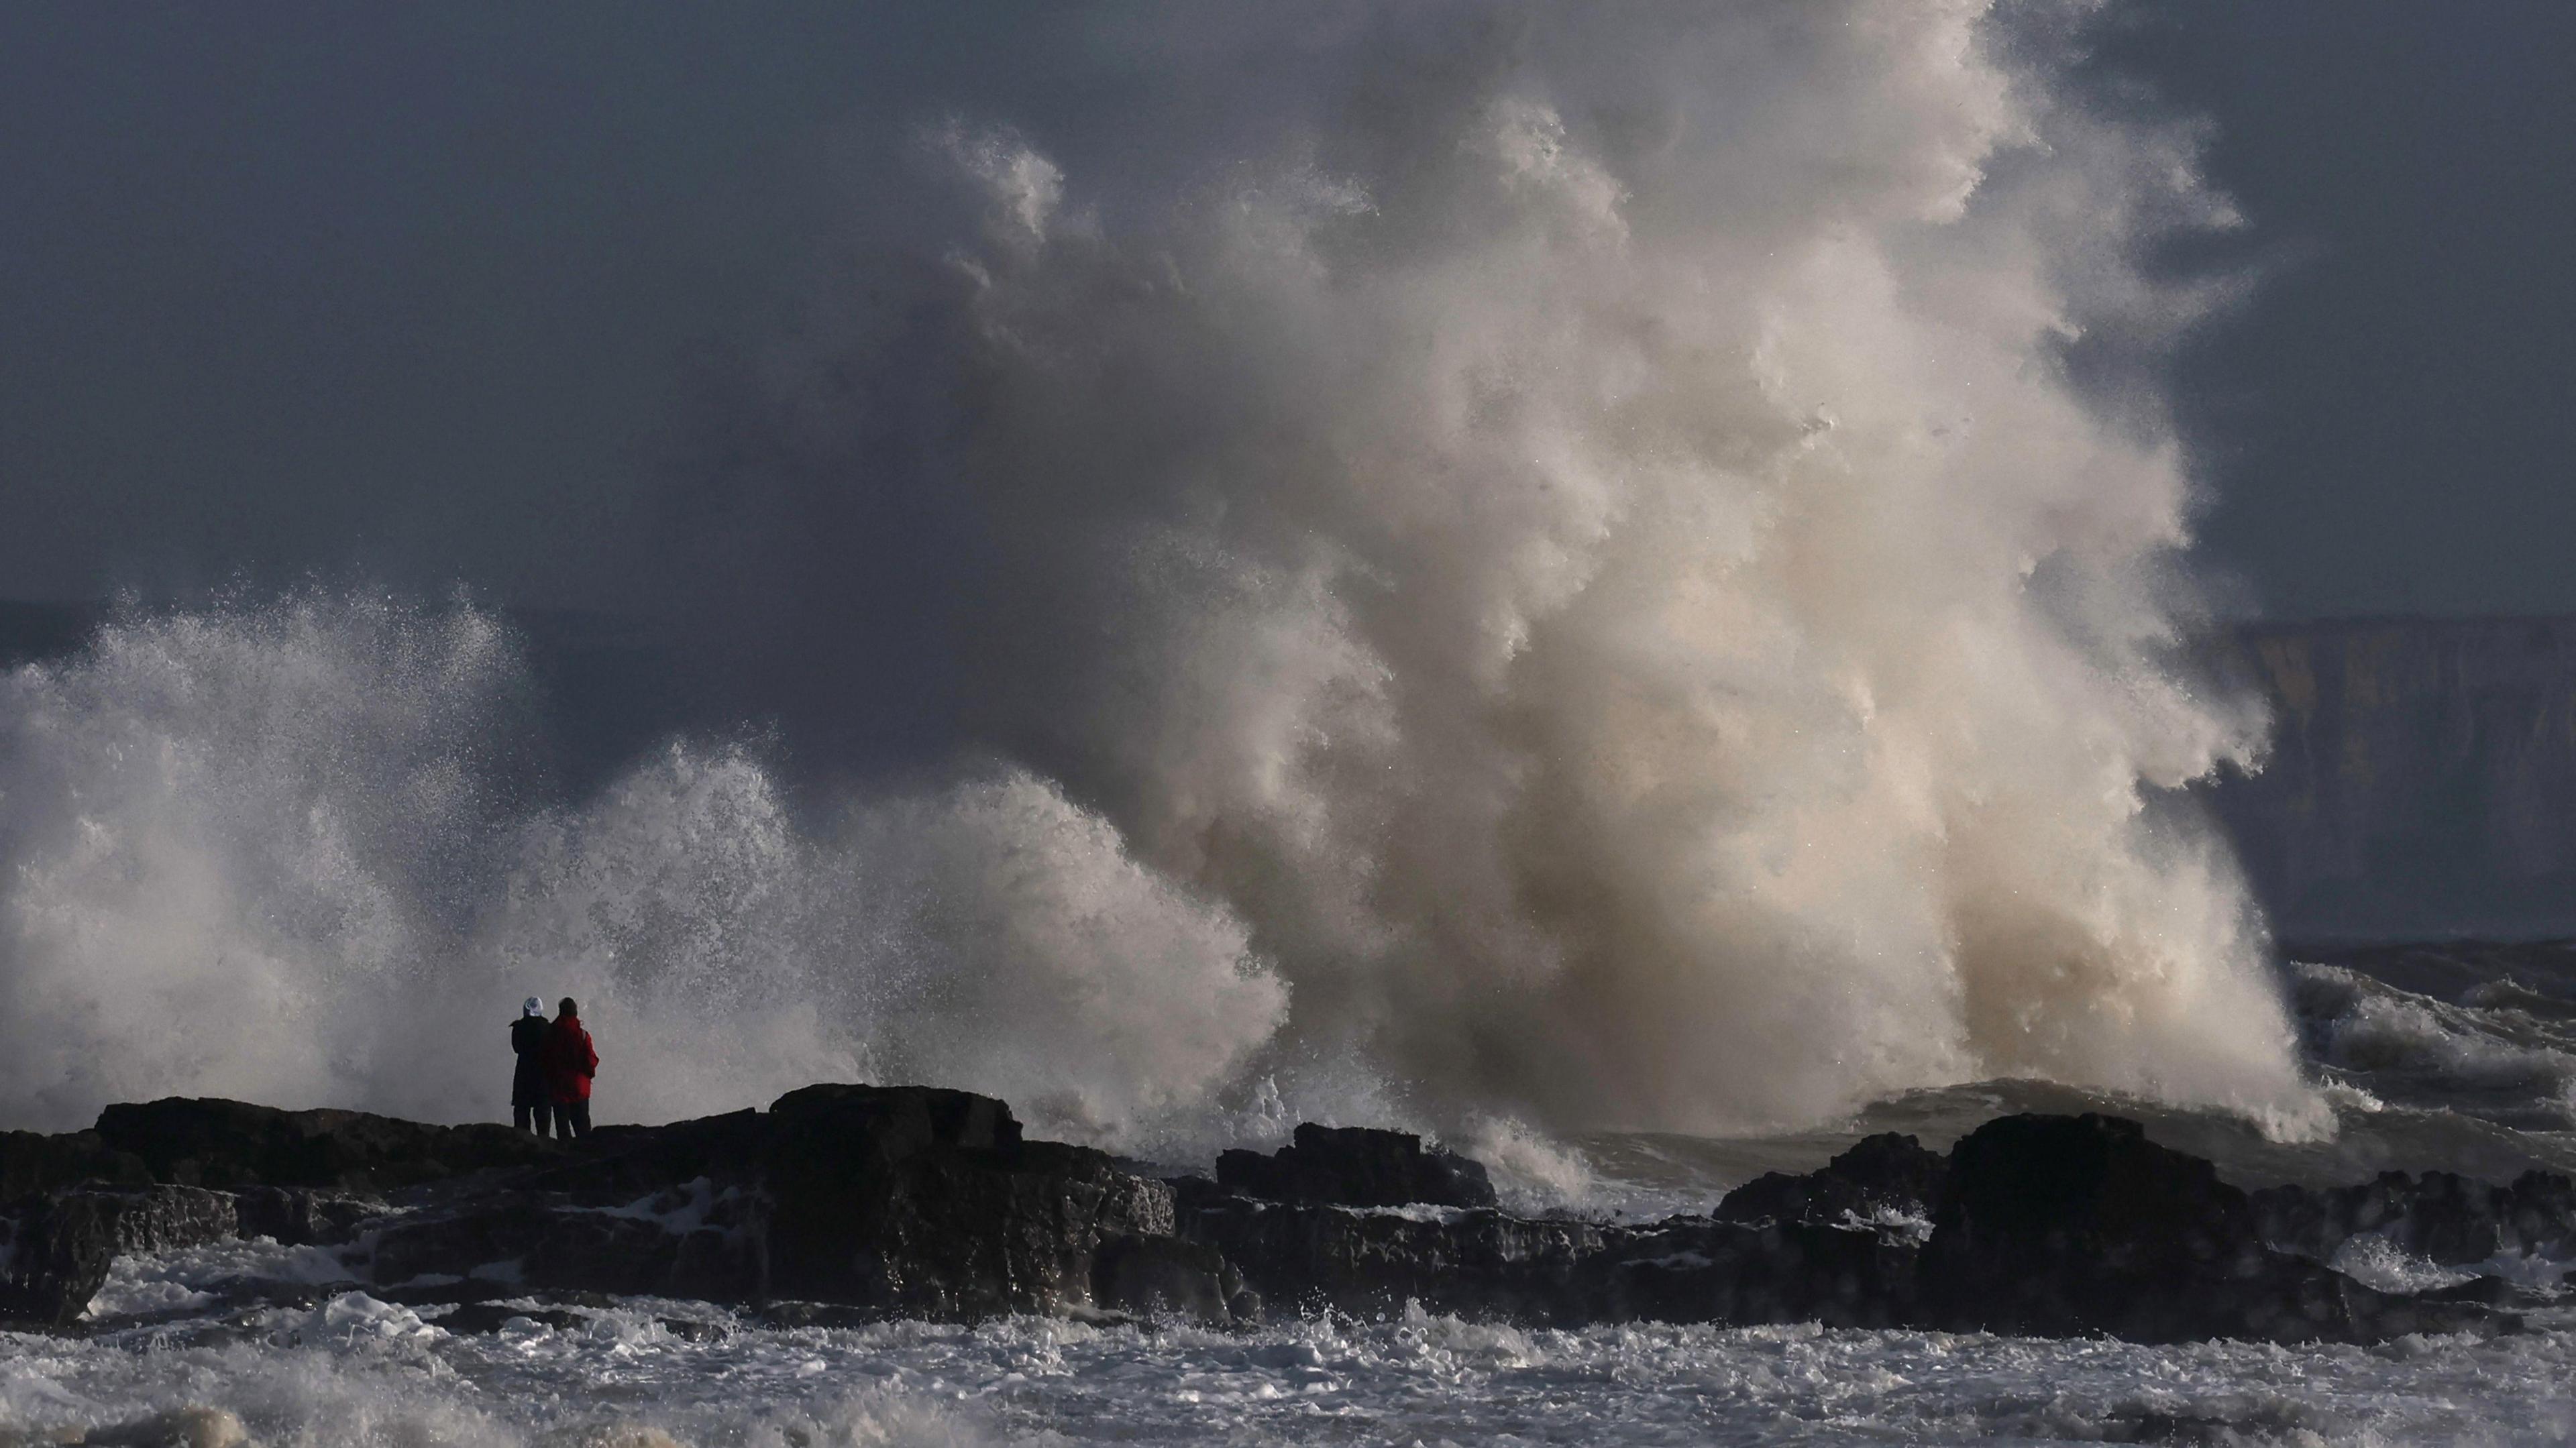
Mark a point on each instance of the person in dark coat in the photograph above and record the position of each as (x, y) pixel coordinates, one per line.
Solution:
(532, 1105)
(570, 1063)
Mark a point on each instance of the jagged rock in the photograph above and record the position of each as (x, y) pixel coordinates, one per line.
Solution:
(1357, 1166)
(2055, 1226)
(299, 1216)
(2439, 1215)
(59, 1248)
(1561, 1272)
(963, 1221)
(31, 1162)
(1886, 1174)
(894, 1122)
(218, 1143)
(1483, 1263)
(536, 1242)
(622, 1163)
(855, 1203)
(891, 1200)
(492, 1317)
(1687, 1270)
(1158, 1277)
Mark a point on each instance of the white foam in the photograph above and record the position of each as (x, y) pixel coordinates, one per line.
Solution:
(1418, 1377)
(2370, 1259)
(159, 1282)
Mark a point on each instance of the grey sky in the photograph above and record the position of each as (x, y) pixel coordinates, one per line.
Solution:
(425, 291)
(2389, 426)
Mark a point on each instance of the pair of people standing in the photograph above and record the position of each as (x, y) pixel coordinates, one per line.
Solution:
(552, 1083)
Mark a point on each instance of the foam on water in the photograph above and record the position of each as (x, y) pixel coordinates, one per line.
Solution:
(169, 1333)
(368, 1374)
(175, 1282)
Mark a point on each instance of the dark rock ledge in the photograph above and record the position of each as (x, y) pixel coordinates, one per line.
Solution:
(841, 1203)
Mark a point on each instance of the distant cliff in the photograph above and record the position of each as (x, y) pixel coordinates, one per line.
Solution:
(2422, 779)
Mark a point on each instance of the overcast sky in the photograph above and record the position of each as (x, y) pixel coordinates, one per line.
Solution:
(423, 292)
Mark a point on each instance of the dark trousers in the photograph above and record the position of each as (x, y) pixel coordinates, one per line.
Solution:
(572, 1118)
(533, 1116)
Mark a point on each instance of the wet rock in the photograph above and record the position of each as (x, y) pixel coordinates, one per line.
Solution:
(1160, 1277)
(692, 1241)
(891, 1200)
(59, 1248)
(1490, 1264)
(1357, 1166)
(32, 1163)
(796, 1312)
(893, 1122)
(963, 1223)
(1880, 1176)
(2438, 1215)
(484, 1317)
(301, 1217)
(862, 1203)
(621, 1163)
(1728, 1272)
(217, 1143)
(1306, 1258)
(2057, 1226)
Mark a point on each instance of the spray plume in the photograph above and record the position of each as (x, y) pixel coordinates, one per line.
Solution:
(1564, 575)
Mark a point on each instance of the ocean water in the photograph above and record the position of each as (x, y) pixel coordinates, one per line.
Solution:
(2472, 1069)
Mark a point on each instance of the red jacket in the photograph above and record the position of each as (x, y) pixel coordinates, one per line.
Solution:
(570, 1061)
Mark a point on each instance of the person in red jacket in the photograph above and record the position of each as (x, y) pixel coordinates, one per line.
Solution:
(570, 1063)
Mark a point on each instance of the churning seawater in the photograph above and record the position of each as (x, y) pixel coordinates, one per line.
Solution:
(2472, 1072)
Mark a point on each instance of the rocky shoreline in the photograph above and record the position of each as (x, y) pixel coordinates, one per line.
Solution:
(853, 1203)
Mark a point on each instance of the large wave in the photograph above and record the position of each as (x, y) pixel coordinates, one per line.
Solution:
(1565, 574)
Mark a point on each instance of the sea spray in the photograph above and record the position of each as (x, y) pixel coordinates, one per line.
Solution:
(1583, 532)
(1565, 576)
(266, 852)
(230, 842)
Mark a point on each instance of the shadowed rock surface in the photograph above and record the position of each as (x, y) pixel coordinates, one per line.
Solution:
(2053, 1225)
(1886, 1176)
(2440, 1216)
(60, 1246)
(231, 1143)
(860, 1203)
(1356, 1166)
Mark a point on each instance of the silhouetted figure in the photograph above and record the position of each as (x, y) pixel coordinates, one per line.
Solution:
(570, 1063)
(531, 1102)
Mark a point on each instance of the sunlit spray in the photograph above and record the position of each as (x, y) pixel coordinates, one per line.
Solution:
(1576, 590)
